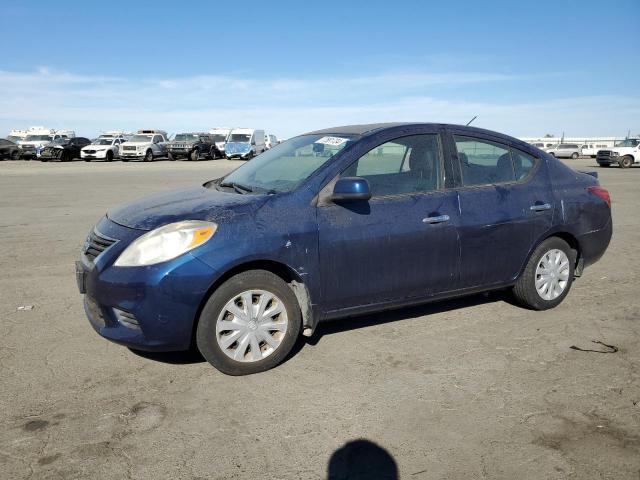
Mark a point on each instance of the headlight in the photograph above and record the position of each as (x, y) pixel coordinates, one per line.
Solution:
(166, 243)
(615, 154)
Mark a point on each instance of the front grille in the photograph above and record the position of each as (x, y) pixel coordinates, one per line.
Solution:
(90, 152)
(604, 153)
(126, 319)
(96, 244)
(129, 148)
(28, 147)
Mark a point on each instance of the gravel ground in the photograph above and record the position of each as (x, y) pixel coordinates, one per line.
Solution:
(471, 388)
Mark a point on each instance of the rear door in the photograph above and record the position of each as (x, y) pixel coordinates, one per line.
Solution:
(506, 204)
(403, 242)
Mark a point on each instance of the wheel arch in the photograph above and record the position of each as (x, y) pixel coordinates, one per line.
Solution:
(571, 240)
(282, 270)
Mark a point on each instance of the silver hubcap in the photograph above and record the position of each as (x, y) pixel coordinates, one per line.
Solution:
(251, 326)
(552, 274)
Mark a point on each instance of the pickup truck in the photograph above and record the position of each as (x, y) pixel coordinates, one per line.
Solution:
(625, 154)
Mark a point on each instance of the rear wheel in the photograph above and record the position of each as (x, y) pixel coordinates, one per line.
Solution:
(548, 276)
(249, 324)
(626, 161)
(148, 156)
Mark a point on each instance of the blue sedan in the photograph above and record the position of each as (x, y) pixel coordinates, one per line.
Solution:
(335, 223)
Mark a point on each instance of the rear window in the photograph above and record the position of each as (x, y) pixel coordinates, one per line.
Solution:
(483, 162)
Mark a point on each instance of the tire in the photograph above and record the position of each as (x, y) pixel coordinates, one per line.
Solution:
(525, 289)
(15, 155)
(170, 157)
(574, 155)
(212, 153)
(195, 155)
(210, 337)
(552, 154)
(109, 156)
(148, 156)
(626, 161)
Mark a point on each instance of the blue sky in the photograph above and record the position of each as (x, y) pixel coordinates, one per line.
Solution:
(525, 68)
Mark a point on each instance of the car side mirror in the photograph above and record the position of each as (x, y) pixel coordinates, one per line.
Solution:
(351, 189)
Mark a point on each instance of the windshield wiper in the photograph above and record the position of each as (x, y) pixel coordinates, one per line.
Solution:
(242, 189)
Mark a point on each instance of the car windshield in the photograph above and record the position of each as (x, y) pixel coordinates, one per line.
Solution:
(218, 137)
(186, 137)
(288, 164)
(38, 138)
(102, 141)
(627, 143)
(141, 138)
(13, 139)
(239, 137)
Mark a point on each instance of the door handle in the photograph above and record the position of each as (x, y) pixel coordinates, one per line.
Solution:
(540, 207)
(438, 219)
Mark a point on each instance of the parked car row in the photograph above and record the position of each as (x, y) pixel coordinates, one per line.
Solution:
(145, 145)
(625, 153)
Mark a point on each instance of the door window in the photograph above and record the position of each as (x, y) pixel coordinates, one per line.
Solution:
(403, 166)
(483, 162)
(523, 163)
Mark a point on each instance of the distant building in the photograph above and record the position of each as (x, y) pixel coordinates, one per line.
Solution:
(586, 142)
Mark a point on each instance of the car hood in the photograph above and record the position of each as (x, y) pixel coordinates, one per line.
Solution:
(199, 203)
(91, 146)
(137, 144)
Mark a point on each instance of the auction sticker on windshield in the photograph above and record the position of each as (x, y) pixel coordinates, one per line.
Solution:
(332, 141)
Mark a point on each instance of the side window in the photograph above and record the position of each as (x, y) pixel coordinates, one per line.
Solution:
(483, 162)
(157, 139)
(523, 163)
(403, 166)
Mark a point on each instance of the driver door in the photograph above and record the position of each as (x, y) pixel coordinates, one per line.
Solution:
(403, 242)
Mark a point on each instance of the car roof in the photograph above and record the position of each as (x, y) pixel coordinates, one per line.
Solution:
(371, 128)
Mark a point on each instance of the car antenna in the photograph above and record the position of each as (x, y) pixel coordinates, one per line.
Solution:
(469, 122)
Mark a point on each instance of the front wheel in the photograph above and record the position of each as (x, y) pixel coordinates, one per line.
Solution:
(212, 153)
(109, 156)
(249, 324)
(149, 156)
(626, 161)
(195, 155)
(574, 155)
(548, 276)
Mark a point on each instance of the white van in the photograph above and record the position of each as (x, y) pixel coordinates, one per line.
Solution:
(245, 143)
(220, 135)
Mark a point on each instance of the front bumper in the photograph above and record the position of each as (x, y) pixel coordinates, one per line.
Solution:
(242, 156)
(607, 160)
(180, 152)
(99, 154)
(132, 155)
(148, 308)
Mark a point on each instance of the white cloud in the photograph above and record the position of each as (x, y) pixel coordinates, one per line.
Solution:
(287, 106)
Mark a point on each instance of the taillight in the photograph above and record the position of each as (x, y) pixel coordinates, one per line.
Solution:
(602, 193)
